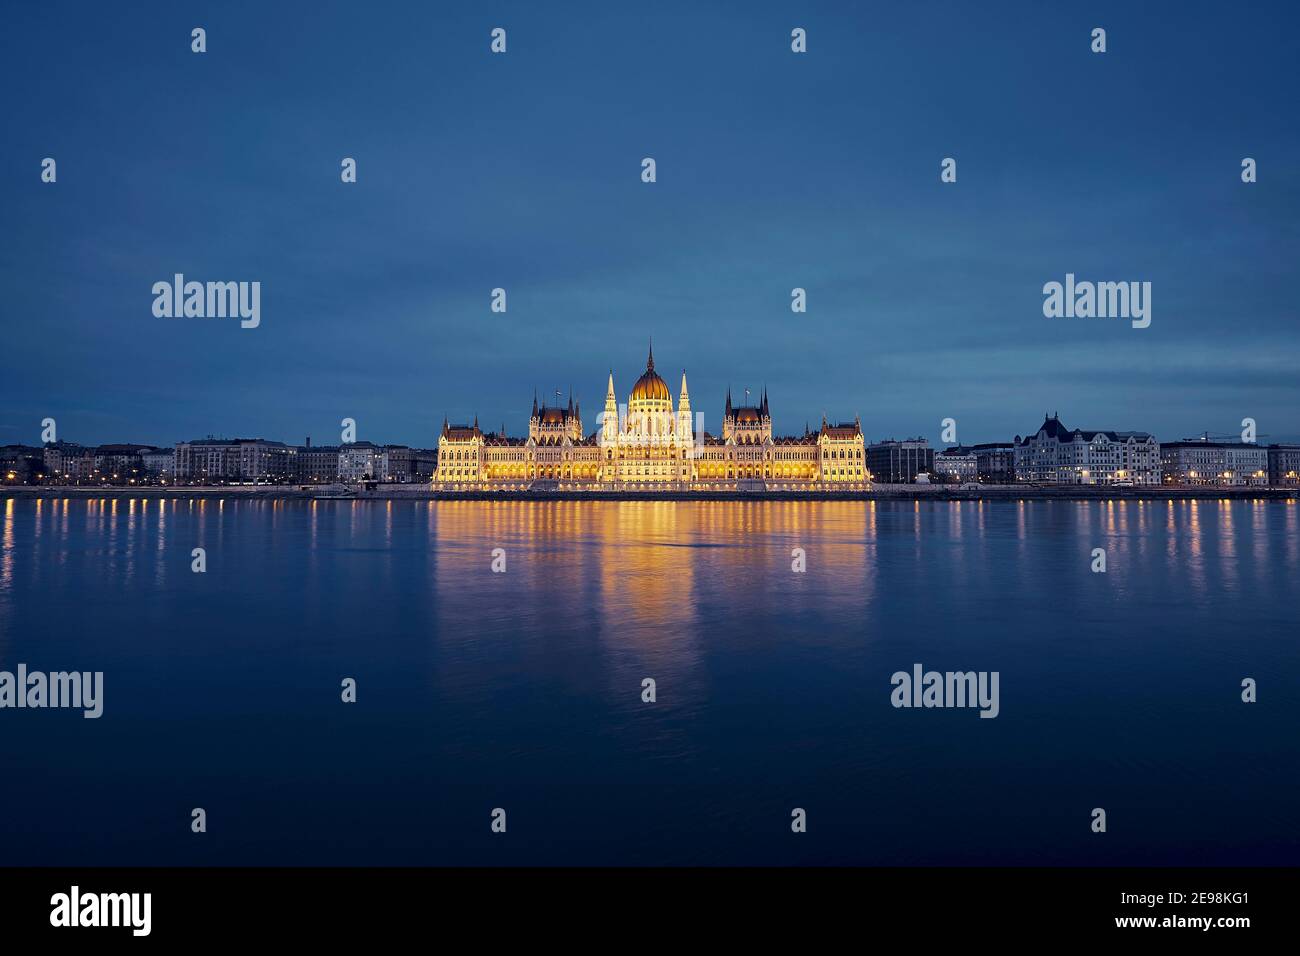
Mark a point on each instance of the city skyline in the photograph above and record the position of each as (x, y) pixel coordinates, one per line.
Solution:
(522, 172)
(559, 397)
(519, 427)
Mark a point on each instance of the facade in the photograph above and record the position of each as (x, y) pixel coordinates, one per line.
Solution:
(424, 464)
(159, 463)
(995, 462)
(958, 463)
(22, 465)
(316, 464)
(121, 464)
(81, 469)
(650, 444)
(361, 461)
(58, 454)
(1226, 464)
(899, 462)
(234, 459)
(67, 461)
(1057, 455)
(399, 463)
(1284, 465)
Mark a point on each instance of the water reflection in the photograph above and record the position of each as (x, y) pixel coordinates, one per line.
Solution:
(642, 585)
(646, 584)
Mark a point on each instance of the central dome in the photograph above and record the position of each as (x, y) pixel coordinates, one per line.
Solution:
(650, 385)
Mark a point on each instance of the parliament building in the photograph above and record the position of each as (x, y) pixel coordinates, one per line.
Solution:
(651, 446)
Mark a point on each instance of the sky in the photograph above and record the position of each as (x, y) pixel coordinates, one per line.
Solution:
(522, 171)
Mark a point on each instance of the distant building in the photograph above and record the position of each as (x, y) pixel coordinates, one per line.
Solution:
(399, 463)
(1058, 455)
(424, 463)
(361, 461)
(1284, 465)
(316, 464)
(957, 463)
(995, 462)
(22, 465)
(82, 469)
(159, 463)
(62, 460)
(1199, 462)
(899, 462)
(218, 460)
(121, 464)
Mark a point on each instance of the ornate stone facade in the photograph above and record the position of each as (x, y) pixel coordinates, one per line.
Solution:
(650, 445)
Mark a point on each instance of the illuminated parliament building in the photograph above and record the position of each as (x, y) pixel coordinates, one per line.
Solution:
(651, 446)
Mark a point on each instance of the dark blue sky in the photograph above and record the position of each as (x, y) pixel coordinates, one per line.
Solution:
(523, 171)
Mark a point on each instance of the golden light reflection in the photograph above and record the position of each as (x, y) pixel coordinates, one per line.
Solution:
(641, 571)
(7, 548)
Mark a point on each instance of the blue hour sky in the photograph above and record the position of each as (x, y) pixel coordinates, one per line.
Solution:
(522, 170)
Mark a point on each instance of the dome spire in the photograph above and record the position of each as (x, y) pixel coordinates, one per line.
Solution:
(650, 362)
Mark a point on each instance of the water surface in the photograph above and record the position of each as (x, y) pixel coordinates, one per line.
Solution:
(522, 689)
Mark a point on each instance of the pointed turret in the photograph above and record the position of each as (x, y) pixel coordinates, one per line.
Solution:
(534, 402)
(609, 417)
(685, 433)
(728, 412)
(763, 407)
(650, 361)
